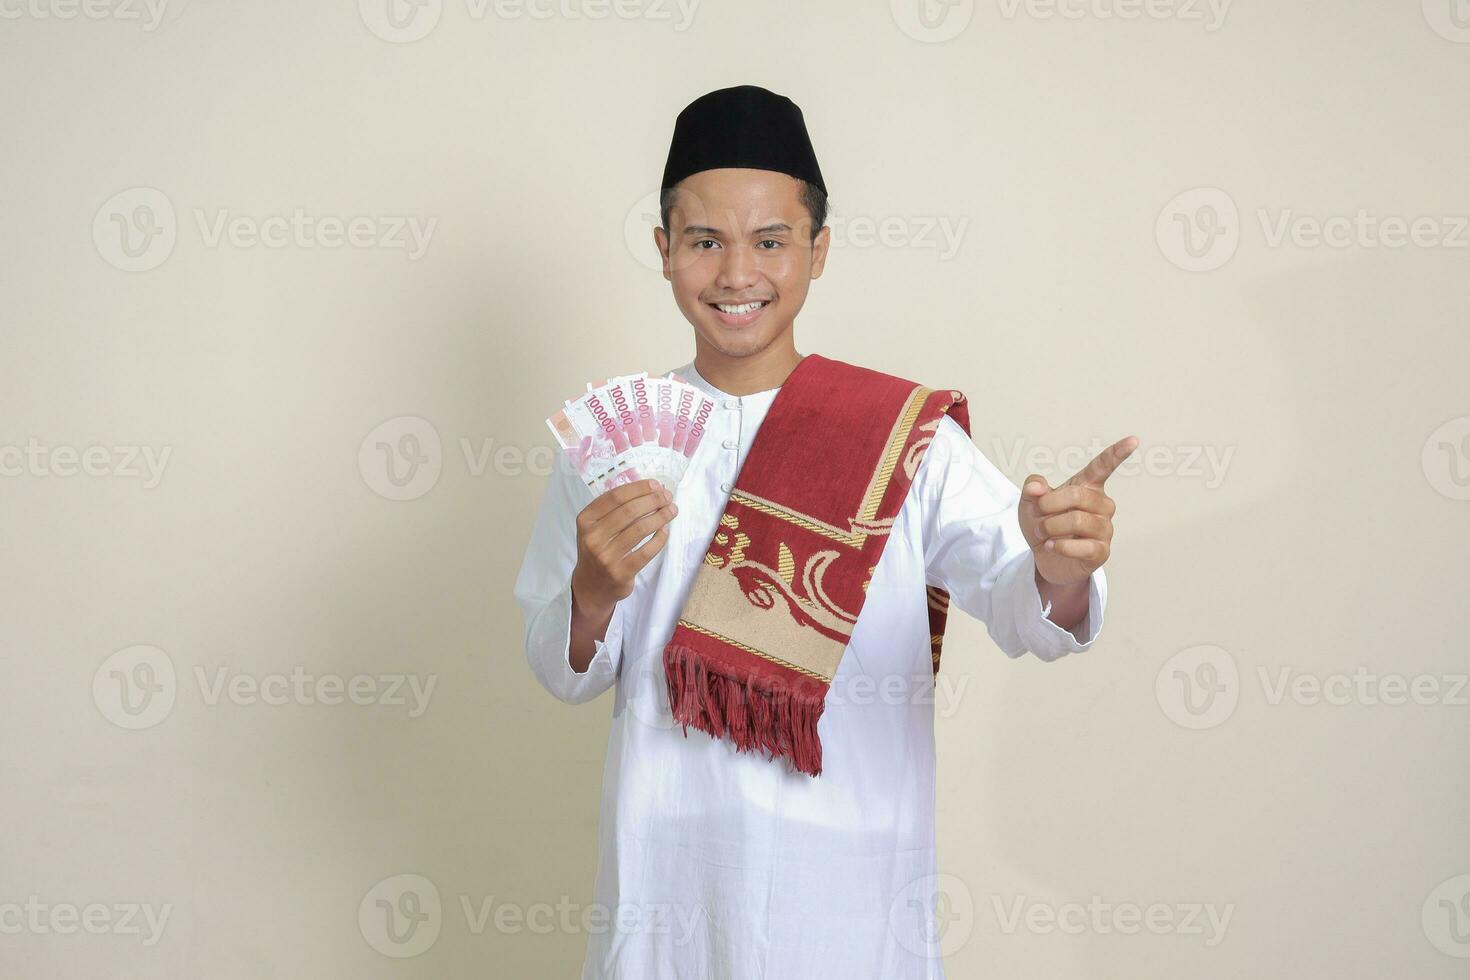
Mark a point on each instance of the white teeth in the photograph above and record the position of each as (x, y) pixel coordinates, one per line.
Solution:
(740, 310)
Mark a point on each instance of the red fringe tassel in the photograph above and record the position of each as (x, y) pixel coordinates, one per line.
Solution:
(776, 716)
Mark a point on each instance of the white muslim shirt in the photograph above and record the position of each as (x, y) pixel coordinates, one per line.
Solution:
(718, 865)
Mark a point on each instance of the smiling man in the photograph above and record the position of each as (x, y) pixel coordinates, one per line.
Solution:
(773, 634)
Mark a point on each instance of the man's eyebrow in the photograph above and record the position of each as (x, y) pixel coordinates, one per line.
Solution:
(763, 230)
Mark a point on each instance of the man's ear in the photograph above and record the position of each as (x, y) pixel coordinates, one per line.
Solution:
(819, 250)
(661, 241)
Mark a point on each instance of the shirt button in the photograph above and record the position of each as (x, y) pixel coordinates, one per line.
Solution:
(725, 487)
(730, 444)
(732, 403)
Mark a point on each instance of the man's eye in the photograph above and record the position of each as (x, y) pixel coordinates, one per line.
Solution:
(705, 241)
(771, 241)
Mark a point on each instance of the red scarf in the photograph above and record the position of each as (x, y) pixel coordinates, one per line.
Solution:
(772, 608)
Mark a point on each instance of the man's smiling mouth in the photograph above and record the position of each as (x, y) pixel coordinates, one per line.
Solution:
(739, 314)
(739, 309)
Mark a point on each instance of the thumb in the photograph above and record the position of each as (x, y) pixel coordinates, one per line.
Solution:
(1033, 488)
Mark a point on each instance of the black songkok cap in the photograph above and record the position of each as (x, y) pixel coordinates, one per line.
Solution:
(744, 126)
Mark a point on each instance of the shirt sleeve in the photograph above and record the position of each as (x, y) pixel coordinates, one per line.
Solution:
(974, 549)
(543, 590)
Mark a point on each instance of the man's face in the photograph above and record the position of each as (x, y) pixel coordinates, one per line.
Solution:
(739, 236)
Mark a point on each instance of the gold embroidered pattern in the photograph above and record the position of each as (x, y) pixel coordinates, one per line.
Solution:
(890, 457)
(800, 520)
(785, 563)
(759, 653)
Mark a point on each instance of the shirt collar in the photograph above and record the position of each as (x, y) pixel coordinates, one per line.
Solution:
(689, 373)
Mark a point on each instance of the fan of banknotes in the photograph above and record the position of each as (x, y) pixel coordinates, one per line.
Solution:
(633, 427)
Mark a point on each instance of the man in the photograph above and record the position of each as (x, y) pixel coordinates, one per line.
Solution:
(813, 860)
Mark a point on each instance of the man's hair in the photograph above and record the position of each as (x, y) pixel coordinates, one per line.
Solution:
(813, 198)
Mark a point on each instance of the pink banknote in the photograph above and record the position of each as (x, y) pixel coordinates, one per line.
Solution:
(632, 427)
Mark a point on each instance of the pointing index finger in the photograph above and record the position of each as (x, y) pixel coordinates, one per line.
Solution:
(1095, 473)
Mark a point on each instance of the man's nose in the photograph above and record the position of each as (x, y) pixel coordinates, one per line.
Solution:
(738, 269)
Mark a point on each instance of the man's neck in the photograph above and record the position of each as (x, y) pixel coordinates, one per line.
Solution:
(746, 375)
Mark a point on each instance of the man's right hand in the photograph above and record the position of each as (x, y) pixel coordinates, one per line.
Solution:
(607, 562)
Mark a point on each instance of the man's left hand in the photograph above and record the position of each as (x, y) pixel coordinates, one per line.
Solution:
(1070, 528)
